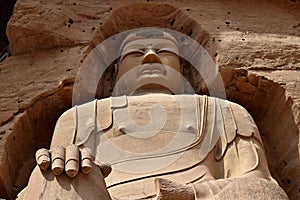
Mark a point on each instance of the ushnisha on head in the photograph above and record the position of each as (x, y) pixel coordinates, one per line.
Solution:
(149, 62)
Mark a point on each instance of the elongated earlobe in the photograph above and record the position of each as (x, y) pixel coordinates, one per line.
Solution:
(116, 70)
(116, 67)
(181, 68)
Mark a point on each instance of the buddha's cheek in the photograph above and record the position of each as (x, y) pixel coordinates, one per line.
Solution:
(171, 61)
(128, 64)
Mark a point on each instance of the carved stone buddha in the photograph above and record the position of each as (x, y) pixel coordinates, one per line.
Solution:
(153, 141)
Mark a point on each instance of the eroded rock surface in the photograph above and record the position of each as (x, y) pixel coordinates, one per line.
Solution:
(255, 46)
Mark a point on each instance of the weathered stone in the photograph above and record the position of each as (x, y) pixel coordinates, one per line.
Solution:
(227, 76)
(254, 41)
(253, 79)
(55, 24)
(244, 86)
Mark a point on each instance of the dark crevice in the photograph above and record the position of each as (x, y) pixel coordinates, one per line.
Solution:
(6, 10)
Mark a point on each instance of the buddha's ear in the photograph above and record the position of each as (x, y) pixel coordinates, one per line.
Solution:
(183, 63)
(181, 67)
(116, 69)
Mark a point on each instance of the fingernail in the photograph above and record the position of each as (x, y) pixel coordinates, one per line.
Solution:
(43, 159)
(72, 160)
(58, 157)
(86, 163)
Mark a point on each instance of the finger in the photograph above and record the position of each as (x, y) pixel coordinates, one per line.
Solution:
(58, 160)
(42, 157)
(72, 160)
(86, 161)
(105, 169)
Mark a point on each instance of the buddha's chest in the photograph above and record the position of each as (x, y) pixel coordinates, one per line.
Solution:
(150, 129)
(145, 127)
(146, 118)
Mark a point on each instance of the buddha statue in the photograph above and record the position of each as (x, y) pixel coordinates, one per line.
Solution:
(151, 140)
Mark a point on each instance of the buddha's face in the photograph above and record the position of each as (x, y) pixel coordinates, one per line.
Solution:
(155, 59)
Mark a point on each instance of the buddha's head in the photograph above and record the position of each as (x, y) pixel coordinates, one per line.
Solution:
(149, 62)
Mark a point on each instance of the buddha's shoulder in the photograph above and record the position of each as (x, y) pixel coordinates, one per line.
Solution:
(152, 97)
(223, 103)
(156, 97)
(162, 97)
(108, 102)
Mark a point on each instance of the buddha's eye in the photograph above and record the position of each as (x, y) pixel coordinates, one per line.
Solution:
(136, 53)
(164, 52)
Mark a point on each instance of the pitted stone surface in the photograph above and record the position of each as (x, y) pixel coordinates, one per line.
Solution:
(255, 46)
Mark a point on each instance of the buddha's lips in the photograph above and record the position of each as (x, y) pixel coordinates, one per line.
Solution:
(153, 68)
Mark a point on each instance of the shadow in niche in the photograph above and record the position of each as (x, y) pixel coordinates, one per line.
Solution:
(272, 111)
(32, 131)
(281, 137)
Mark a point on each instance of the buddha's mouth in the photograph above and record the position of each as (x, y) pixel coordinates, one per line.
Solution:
(152, 69)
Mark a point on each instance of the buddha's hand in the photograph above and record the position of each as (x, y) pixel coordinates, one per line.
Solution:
(67, 173)
(70, 160)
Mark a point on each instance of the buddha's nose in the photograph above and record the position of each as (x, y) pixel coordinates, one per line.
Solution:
(151, 57)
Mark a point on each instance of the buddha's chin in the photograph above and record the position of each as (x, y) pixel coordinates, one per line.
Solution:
(152, 82)
(160, 82)
(151, 75)
(155, 81)
(154, 87)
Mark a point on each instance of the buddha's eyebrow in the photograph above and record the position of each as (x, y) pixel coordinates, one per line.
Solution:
(135, 46)
(145, 46)
(163, 45)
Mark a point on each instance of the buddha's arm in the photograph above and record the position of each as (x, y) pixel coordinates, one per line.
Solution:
(245, 168)
(241, 154)
(64, 131)
(244, 155)
(247, 177)
(237, 188)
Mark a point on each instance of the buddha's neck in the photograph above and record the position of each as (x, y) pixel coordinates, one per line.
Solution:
(151, 91)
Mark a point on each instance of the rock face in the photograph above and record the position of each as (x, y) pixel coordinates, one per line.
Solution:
(255, 47)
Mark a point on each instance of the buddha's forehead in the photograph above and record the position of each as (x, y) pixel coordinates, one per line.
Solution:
(135, 41)
(144, 43)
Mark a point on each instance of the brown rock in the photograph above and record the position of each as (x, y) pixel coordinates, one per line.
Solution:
(37, 85)
(245, 87)
(55, 24)
(253, 79)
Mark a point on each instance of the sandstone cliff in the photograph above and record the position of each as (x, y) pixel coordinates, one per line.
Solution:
(255, 45)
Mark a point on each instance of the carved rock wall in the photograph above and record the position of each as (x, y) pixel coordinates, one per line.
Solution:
(255, 45)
